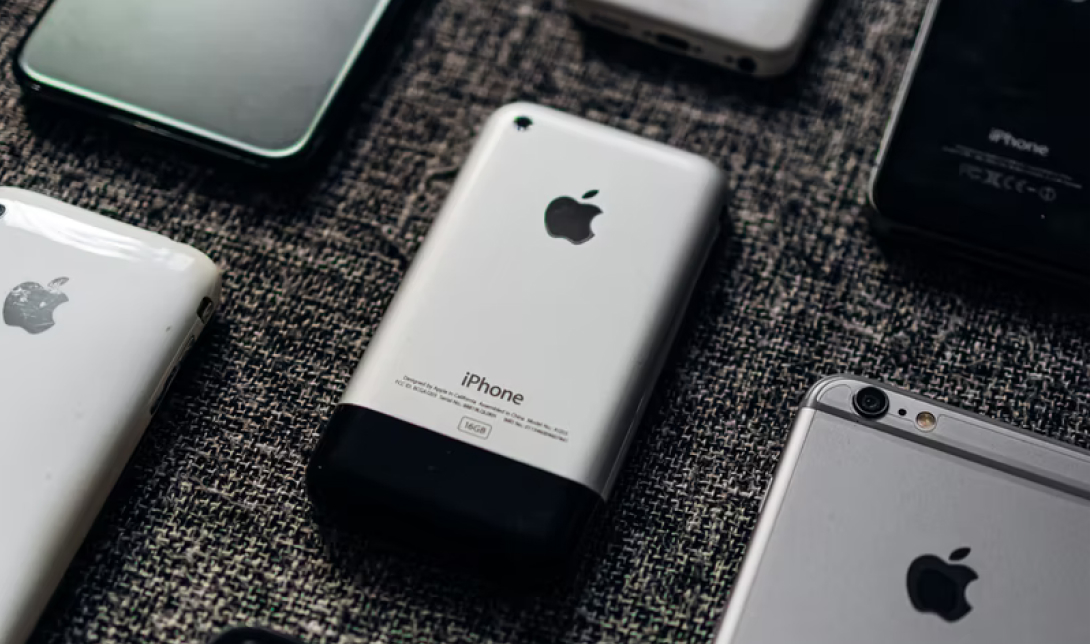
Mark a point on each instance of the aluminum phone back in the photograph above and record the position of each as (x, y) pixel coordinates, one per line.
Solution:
(493, 407)
(96, 316)
(878, 531)
(762, 39)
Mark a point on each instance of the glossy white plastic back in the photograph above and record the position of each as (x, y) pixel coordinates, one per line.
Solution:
(568, 333)
(95, 315)
(770, 33)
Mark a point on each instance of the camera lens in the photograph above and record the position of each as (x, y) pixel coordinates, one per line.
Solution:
(871, 402)
(523, 123)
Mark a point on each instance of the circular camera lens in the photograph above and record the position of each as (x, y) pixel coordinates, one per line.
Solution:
(747, 64)
(871, 402)
(523, 123)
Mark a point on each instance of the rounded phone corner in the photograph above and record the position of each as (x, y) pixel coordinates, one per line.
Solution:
(876, 214)
(872, 188)
(24, 76)
(280, 158)
(715, 174)
(778, 59)
(518, 114)
(202, 263)
(782, 43)
(820, 388)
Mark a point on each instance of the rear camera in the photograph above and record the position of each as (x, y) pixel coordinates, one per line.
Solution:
(747, 64)
(871, 402)
(523, 123)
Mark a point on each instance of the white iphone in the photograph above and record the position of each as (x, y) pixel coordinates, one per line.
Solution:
(760, 38)
(493, 408)
(96, 317)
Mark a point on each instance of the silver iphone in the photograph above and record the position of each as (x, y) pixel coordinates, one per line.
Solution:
(896, 519)
(493, 407)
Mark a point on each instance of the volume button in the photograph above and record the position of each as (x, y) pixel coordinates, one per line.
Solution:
(173, 374)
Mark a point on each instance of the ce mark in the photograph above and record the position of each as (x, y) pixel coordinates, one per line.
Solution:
(1002, 181)
(992, 178)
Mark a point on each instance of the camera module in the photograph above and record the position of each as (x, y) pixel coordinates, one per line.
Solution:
(871, 402)
(523, 123)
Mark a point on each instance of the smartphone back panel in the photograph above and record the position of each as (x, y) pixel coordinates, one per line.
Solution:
(759, 38)
(537, 313)
(569, 326)
(989, 146)
(95, 315)
(877, 531)
(252, 77)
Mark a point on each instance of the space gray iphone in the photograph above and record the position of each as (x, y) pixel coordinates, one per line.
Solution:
(896, 519)
(492, 410)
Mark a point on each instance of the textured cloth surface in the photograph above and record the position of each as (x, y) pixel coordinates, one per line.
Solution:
(210, 525)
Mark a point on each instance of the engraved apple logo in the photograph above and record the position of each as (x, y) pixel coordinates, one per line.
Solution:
(30, 305)
(569, 219)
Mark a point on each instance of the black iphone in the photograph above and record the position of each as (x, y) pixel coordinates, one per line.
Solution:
(255, 80)
(989, 148)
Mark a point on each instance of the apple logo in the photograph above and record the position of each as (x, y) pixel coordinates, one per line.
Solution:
(935, 586)
(30, 305)
(569, 219)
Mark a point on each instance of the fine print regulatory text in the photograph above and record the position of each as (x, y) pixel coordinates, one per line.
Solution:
(483, 410)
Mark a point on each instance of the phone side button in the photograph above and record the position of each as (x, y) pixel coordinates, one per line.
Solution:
(166, 387)
(173, 374)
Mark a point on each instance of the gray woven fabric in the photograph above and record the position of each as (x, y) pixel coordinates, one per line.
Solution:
(211, 527)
